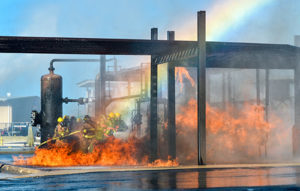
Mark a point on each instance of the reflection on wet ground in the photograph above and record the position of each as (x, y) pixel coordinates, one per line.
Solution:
(239, 178)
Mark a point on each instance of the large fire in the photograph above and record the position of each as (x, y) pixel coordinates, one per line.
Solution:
(238, 134)
(112, 151)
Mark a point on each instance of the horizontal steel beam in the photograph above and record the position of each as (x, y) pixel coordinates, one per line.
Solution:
(54, 45)
(219, 54)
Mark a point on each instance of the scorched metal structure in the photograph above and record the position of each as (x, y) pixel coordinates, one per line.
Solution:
(200, 54)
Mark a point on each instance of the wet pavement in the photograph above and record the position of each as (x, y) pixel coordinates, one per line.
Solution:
(246, 178)
(277, 178)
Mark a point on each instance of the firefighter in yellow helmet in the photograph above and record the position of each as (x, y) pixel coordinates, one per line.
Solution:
(117, 115)
(111, 115)
(60, 119)
(60, 131)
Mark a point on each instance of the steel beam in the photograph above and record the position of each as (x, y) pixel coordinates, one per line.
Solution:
(153, 102)
(201, 94)
(219, 54)
(49, 45)
(171, 104)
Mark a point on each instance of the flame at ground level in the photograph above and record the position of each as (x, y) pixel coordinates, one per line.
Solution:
(111, 152)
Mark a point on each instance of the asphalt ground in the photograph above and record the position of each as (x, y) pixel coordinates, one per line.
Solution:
(277, 177)
(281, 176)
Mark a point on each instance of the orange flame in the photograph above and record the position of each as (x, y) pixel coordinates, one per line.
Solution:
(162, 163)
(232, 134)
(111, 152)
(181, 72)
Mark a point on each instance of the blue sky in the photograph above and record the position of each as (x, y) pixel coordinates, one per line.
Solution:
(275, 22)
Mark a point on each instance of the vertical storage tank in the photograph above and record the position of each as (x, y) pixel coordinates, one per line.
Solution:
(51, 103)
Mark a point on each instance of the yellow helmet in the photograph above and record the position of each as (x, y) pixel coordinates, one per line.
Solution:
(78, 120)
(60, 119)
(117, 115)
(111, 115)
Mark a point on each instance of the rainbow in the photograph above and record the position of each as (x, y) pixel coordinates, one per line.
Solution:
(222, 17)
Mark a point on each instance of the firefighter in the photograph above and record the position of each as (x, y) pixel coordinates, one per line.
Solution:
(88, 132)
(112, 124)
(60, 131)
(66, 123)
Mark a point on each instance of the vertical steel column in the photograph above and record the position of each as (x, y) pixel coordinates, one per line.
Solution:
(153, 102)
(296, 128)
(100, 88)
(201, 89)
(257, 87)
(267, 94)
(267, 105)
(102, 84)
(171, 104)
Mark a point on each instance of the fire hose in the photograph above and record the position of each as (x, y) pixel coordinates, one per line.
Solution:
(53, 139)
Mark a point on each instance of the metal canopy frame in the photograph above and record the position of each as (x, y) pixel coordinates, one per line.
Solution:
(200, 54)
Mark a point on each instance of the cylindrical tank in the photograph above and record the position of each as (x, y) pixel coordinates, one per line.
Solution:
(51, 103)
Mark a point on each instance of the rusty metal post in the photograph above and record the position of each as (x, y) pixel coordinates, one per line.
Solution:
(171, 104)
(201, 88)
(153, 102)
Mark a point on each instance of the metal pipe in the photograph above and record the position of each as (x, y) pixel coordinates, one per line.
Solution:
(120, 98)
(80, 101)
(51, 68)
